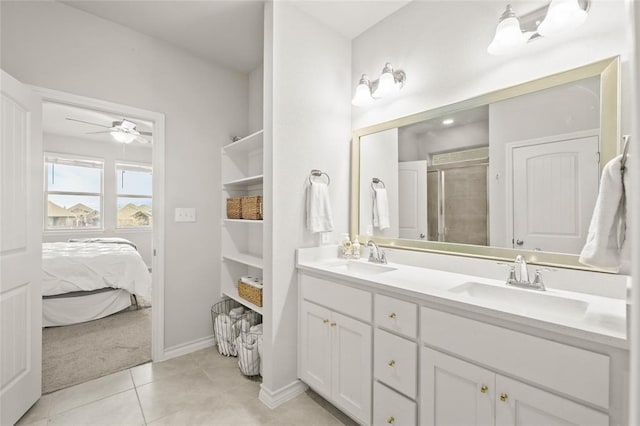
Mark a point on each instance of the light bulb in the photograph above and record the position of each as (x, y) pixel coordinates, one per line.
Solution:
(123, 137)
(509, 37)
(562, 16)
(362, 96)
(387, 82)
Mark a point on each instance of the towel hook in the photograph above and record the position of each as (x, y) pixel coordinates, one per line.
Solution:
(318, 173)
(376, 181)
(625, 151)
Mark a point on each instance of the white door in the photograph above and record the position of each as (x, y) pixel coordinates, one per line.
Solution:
(555, 186)
(455, 392)
(351, 376)
(315, 357)
(412, 199)
(21, 174)
(523, 405)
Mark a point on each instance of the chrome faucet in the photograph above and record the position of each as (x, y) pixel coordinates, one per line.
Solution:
(519, 276)
(379, 257)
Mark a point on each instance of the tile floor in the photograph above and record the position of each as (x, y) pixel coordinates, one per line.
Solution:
(201, 388)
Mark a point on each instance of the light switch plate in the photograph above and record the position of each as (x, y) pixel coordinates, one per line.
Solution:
(184, 214)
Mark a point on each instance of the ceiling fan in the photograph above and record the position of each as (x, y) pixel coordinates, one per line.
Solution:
(123, 131)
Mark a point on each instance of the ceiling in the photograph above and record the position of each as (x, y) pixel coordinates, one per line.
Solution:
(54, 121)
(460, 118)
(230, 32)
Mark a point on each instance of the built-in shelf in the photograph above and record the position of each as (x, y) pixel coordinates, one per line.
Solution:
(245, 259)
(253, 142)
(254, 221)
(244, 182)
(233, 294)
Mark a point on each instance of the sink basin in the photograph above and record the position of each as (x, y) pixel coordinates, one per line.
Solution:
(359, 267)
(523, 301)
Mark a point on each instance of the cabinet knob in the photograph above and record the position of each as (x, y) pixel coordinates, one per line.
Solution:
(392, 363)
(504, 397)
(326, 321)
(333, 324)
(392, 315)
(484, 389)
(391, 420)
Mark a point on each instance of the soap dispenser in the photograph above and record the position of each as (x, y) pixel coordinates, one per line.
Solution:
(346, 249)
(355, 248)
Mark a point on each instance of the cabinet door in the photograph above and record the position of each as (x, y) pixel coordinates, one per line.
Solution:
(315, 357)
(523, 405)
(351, 376)
(455, 392)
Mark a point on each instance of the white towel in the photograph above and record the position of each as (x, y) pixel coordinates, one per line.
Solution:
(225, 335)
(380, 209)
(606, 236)
(319, 216)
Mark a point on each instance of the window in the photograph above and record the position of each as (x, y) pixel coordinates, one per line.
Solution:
(73, 193)
(134, 196)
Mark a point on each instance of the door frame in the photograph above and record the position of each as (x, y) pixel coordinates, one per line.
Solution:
(508, 169)
(158, 164)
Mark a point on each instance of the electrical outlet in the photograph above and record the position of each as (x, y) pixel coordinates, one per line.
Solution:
(183, 214)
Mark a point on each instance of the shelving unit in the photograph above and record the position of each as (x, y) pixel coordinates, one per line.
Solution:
(242, 168)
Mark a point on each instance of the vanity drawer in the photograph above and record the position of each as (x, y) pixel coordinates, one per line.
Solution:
(395, 362)
(396, 315)
(566, 369)
(391, 408)
(347, 300)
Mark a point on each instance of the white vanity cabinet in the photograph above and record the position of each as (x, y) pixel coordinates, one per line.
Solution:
(335, 350)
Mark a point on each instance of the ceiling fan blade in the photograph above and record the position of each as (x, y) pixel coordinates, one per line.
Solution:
(88, 122)
(145, 133)
(95, 133)
(142, 140)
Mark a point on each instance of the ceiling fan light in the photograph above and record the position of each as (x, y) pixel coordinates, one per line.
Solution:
(123, 137)
(562, 16)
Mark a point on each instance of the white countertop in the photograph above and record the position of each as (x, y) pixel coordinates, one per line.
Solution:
(603, 322)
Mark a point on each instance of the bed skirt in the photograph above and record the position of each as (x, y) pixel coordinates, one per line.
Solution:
(73, 308)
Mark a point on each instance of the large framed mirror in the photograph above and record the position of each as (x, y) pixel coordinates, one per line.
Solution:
(515, 171)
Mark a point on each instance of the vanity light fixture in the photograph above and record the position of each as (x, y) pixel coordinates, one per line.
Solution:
(390, 82)
(558, 17)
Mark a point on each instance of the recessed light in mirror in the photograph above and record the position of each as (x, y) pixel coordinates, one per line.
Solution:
(447, 121)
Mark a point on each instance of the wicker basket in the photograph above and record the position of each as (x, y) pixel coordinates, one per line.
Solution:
(251, 293)
(234, 208)
(252, 207)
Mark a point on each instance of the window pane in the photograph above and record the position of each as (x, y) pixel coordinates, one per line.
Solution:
(134, 182)
(62, 177)
(73, 212)
(134, 212)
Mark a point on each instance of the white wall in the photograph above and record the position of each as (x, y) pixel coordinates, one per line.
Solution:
(51, 45)
(307, 126)
(110, 153)
(256, 86)
(444, 53)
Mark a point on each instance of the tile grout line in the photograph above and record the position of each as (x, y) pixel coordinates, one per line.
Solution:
(135, 388)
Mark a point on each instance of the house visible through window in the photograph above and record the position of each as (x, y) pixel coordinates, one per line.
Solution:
(134, 195)
(73, 193)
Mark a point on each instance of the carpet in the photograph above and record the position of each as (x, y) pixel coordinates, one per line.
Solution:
(80, 352)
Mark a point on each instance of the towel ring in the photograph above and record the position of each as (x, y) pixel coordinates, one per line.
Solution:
(318, 173)
(376, 181)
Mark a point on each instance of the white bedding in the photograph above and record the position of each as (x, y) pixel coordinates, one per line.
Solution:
(72, 267)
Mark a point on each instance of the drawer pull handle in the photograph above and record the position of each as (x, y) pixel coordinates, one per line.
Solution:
(504, 397)
(391, 420)
(484, 389)
(326, 321)
(392, 315)
(333, 324)
(392, 363)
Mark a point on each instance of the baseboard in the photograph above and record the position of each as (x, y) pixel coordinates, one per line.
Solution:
(273, 399)
(188, 347)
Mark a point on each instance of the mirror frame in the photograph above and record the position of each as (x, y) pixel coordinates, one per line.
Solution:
(609, 72)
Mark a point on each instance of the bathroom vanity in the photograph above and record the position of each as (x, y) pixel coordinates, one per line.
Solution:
(404, 344)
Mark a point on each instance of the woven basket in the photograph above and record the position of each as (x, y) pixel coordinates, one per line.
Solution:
(252, 207)
(234, 208)
(250, 293)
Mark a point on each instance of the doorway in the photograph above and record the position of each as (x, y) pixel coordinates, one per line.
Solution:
(124, 146)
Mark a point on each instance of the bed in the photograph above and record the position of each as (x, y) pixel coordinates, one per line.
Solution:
(89, 279)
